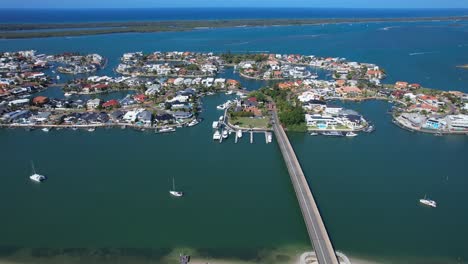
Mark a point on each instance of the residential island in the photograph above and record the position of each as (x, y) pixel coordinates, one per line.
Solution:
(164, 92)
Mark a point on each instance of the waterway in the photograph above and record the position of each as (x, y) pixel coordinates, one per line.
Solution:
(107, 198)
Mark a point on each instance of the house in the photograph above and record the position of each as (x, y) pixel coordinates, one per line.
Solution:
(333, 110)
(414, 86)
(349, 91)
(131, 116)
(164, 118)
(145, 117)
(93, 103)
(140, 98)
(40, 117)
(116, 115)
(111, 103)
(182, 115)
(40, 100)
(401, 85)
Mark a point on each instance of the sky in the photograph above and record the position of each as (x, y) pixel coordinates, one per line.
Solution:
(233, 3)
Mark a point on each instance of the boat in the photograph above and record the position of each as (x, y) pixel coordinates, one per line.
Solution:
(91, 129)
(229, 92)
(351, 134)
(193, 123)
(173, 192)
(314, 134)
(369, 129)
(221, 107)
(216, 135)
(221, 118)
(333, 134)
(239, 133)
(67, 94)
(428, 202)
(74, 128)
(166, 129)
(58, 77)
(225, 133)
(36, 177)
(46, 129)
(269, 137)
(215, 124)
(438, 134)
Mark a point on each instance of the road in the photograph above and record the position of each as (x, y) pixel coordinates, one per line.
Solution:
(312, 218)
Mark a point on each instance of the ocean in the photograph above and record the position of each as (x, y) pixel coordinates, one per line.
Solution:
(107, 201)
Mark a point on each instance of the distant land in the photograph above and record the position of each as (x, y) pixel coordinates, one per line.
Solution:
(463, 66)
(15, 31)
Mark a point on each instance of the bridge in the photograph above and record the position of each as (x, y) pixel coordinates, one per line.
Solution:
(315, 227)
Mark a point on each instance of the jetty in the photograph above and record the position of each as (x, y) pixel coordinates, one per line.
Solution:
(313, 220)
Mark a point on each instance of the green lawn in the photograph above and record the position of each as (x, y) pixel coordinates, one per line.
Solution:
(249, 122)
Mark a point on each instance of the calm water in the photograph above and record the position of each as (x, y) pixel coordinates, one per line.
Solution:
(108, 189)
(156, 14)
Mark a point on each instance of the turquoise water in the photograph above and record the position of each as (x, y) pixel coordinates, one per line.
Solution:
(108, 189)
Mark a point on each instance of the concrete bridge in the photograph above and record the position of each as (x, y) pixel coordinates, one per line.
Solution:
(317, 232)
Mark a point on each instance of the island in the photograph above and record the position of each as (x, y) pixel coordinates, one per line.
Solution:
(164, 92)
(15, 31)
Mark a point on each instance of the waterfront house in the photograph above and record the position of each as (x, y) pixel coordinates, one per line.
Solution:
(145, 117)
(40, 117)
(131, 116)
(458, 122)
(116, 116)
(93, 103)
(164, 118)
(401, 85)
(432, 123)
(140, 98)
(182, 115)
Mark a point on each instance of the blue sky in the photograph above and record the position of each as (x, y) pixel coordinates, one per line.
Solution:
(233, 3)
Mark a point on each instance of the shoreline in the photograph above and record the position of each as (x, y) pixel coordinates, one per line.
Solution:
(12, 31)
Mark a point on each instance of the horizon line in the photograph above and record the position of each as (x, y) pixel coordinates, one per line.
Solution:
(243, 7)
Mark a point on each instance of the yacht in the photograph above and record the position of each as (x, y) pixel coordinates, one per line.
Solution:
(239, 133)
(269, 137)
(314, 134)
(67, 94)
(74, 128)
(333, 134)
(351, 134)
(58, 77)
(91, 129)
(46, 129)
(225, 133)
(173, 192)
(193, 123)
(215, 124)
(221, 107)
(217, 135)
(166, 129)
(36, 177)
(428, 202)
(229, 92)
(221, 118)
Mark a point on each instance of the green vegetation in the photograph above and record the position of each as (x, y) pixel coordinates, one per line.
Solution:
(251, 122)
(80, 29)
(290, 113)
(236, 58)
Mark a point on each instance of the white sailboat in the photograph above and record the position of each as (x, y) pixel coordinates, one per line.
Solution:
(173, 192)
(36, 177)
(428, 202)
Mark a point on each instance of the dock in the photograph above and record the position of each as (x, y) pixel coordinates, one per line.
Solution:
(313, 220)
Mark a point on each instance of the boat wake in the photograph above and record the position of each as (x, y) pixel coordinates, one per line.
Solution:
(238, 43)
(421, 53)
(387, 28)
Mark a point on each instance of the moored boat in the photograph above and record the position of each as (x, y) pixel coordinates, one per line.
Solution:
(216, 135)
(351, 134)
(314, 134)
(166, 129)
(333, 134)
(36, 177)
(193, 123)
(173, 192)
(239, 133)
(225, 133)
(428, 202)
(46, 129)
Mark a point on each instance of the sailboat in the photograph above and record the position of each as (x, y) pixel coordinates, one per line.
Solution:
(428, 202)
(36, 177)
(173, 192)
